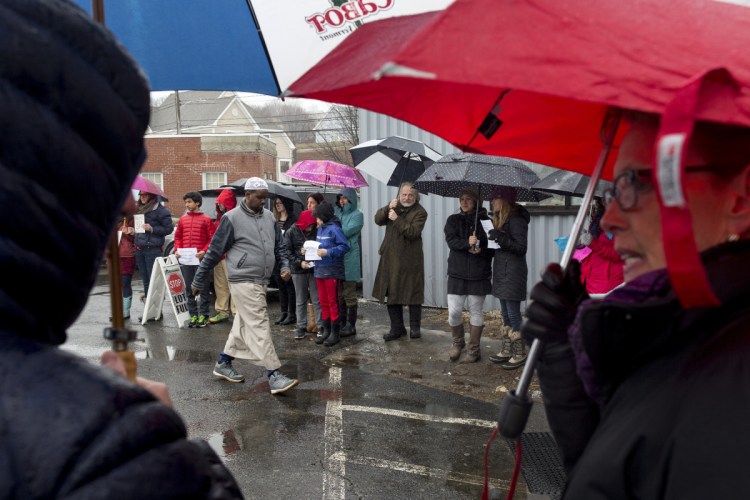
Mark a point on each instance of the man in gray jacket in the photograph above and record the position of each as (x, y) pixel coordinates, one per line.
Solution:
(252, 241)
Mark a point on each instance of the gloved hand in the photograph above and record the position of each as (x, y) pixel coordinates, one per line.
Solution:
(495, 234)
(555, 300)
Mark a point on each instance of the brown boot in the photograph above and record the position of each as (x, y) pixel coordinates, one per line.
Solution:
(458, 341)
(473, 353)
(311, 326)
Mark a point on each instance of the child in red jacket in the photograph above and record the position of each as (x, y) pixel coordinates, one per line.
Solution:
(194, 230)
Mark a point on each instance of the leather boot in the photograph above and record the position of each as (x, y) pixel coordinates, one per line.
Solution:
(351, 325)
(311, 326)
(415, 321)
(333, 338)
(324, 330)
(291, 319)
(458, 342)
(396, 314)
(283, 317)
(473, 353)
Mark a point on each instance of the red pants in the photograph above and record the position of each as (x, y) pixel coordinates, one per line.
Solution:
(328, 295)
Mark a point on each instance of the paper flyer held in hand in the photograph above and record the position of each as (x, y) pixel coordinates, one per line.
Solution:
(188, 257)
(487, 225)
(138, 221)
(311, 250)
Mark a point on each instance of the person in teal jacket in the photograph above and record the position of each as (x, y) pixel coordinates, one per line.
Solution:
(352, 222)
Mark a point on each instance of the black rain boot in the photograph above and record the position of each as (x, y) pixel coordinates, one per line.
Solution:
(324, 330)
(283, 317)
(396, 314)
(351, 325)
(333, 338)
(415, 321)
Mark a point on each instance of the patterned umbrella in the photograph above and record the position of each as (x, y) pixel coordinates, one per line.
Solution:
(393, 160)
(565, 182)
(326, 173)
(455, 172)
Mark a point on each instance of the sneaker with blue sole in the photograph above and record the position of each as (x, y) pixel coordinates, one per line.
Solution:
(281, 383)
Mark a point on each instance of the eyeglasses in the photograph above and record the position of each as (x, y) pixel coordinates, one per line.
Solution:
(625, 188)
(627, 185)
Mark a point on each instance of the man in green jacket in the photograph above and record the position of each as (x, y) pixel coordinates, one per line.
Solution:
(352, 222)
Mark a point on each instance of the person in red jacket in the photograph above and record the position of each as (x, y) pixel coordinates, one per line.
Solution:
(225, 202)
(601, 270)
(194, 231)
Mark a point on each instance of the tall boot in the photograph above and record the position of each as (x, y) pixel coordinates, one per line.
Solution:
(473, 353)
(351, 326)
(333, 338)
(324, 330)
(458, 342)
(396, 314)
(126, 303)
(311, 326)
(415, 321)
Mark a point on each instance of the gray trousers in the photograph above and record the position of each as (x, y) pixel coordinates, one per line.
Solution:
(306, 288)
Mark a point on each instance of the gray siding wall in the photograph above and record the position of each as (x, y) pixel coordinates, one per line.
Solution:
(543, 229)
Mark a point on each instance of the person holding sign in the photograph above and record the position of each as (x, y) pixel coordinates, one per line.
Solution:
(469, 273)
(152, 223)
(510, 271)
(302, 232)
(252, 242)
(329, 272)
(191, 239)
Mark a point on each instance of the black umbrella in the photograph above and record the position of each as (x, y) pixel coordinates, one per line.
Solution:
(452, 173)
(393, 160)
(274, 189)
(565, 182)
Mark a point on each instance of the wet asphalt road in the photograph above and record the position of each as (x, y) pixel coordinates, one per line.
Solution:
(368, 420)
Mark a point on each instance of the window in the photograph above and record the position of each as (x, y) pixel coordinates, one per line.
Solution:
(155, 177)
(284, 165)
(214, 180)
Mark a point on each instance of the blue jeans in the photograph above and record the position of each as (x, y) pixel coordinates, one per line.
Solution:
(145, 259)
(188, 274)
(511, 311)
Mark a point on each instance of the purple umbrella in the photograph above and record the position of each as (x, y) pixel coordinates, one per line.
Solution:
(327, 173)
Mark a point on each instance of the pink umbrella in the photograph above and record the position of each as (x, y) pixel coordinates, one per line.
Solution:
(327, 173)
(142, 184)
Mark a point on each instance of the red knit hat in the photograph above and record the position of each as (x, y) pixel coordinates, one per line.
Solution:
(305, 220)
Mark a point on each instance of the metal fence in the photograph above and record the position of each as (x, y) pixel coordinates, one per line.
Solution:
(543, 228)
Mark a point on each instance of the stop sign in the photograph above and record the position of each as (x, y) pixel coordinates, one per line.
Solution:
(175, 283)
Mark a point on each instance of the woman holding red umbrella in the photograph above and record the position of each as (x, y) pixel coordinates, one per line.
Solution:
(646, 398)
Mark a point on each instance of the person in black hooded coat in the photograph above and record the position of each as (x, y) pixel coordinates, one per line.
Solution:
(75, 108)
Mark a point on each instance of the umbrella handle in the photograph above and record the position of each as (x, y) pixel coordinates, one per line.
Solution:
(515, 411)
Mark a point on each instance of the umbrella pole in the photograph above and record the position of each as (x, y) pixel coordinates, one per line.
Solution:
(118, 334)
(516, 406)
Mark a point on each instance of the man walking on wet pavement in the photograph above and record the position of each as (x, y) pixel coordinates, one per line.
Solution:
(252, 242)
(400, 275)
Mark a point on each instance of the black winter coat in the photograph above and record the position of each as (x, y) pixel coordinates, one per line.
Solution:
(93, 434)
(161, 225)
(672, 385)
(295, 238)
(70, 429)
(470, 274)
(509, 270)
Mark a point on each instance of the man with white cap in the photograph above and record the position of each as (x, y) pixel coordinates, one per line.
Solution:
(252, 242)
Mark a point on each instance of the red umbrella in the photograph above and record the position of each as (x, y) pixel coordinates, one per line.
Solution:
(535, 80)
(147, 186)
